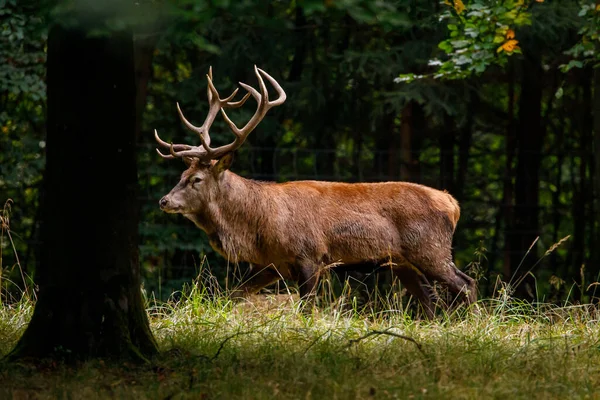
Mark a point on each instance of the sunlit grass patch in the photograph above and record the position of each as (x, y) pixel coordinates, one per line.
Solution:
(272, 347)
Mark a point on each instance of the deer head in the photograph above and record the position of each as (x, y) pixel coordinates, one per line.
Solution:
(199, 184)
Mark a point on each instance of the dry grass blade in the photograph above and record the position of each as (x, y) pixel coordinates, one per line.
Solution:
(556, 245)
(5, 229)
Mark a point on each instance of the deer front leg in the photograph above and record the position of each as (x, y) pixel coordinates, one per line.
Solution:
(308, 278)
(260, 278)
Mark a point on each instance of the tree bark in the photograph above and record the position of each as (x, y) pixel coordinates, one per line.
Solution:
(89, 301)
(446, 140)
(582, 196)
(464, 147)
(595, 253)
(530, 136)
(406, 154)
(506, 208)
(144, 48)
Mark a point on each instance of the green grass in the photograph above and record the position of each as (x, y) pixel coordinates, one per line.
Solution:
(268, 348)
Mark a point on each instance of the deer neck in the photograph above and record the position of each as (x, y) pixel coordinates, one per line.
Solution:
(234, 216)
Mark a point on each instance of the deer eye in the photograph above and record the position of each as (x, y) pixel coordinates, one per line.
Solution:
(195, 179)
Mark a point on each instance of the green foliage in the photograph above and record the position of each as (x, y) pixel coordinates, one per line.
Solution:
(482, 34)
(383, 14)
(22, 56)
(587, 49)
(23, 34)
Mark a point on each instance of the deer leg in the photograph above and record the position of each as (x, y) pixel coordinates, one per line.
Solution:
(471, 284)
(417, 284)
(264, 276)
(444, 271)
(355, 278)
(308, 278)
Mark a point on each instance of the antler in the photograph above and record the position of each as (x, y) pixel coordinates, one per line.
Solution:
(204, 151)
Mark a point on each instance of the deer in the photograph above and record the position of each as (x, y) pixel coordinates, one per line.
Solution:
(296, 230)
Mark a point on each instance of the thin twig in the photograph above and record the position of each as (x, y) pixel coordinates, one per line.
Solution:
(227, 339)
(375, 332)
(237, 334)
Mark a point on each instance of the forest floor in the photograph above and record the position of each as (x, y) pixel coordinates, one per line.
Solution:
(268, 348)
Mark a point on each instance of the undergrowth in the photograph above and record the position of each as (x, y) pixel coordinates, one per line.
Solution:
(270, 347)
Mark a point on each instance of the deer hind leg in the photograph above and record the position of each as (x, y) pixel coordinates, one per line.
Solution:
(417, 284)
(443, 270)
(260, 278)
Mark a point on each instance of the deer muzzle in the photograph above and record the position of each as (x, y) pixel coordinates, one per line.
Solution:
(165, 204)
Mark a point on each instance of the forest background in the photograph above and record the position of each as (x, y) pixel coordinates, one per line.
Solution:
(497, 102)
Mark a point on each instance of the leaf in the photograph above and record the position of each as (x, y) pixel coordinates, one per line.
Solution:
(559, 93)
(575, 64)
(446, 46)
(459, 44)
(462, 60)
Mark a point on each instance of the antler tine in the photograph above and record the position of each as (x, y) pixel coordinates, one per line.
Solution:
(282, 96)
(215, 104)
(188, 124)
(263, 106)
(252, 91)
(174, 148)
(167, 156)
(208, 92)
(263, 88)
(226, 102)
(262, 99)
(238, 104)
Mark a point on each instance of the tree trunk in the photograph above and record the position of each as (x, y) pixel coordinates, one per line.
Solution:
(446, 140)
(464, 147)
(406, 155)
(386, 148)
(144, 53)
(530, 136)
(595, 252)
(582, 196)
(506, 208)
(89, 301)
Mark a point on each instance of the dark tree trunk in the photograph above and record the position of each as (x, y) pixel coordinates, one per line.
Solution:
(386, 148)
(297, 65)
(530, 136)
(143, 52)
(406, 154)
(595, 248)
(464, 147)
(447, 139)
(581, 206)
(559, 144)
(506, 208)
(89, 301)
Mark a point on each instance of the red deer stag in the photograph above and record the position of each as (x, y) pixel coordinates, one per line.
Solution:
(293, 230)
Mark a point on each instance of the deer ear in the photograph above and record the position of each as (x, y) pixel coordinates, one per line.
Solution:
(223, 164)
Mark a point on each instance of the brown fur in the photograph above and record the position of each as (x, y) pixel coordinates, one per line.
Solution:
(292, 230)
